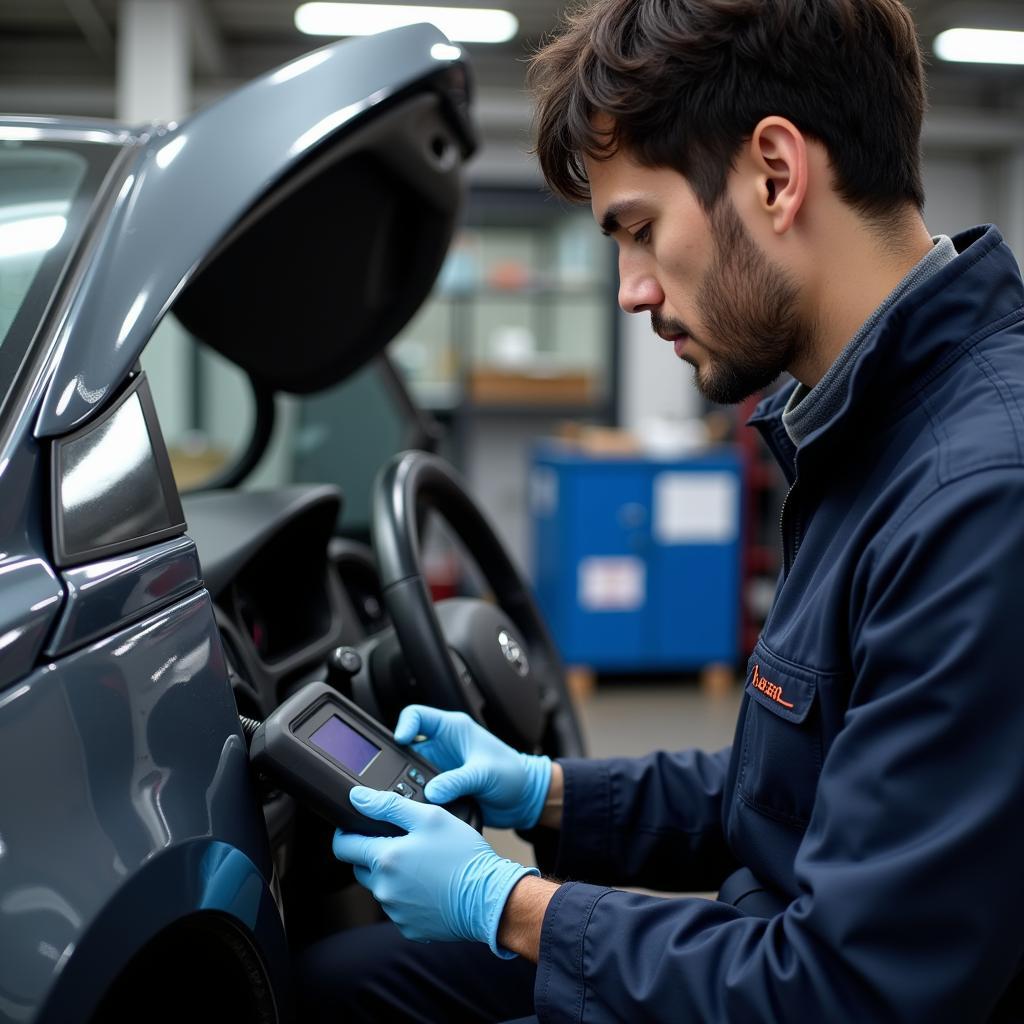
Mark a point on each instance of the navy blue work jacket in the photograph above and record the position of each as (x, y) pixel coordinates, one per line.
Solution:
(876, 780)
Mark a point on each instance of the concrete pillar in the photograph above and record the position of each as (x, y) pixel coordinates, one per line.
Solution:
(154, 61)
(154, 73)
(1013, 224)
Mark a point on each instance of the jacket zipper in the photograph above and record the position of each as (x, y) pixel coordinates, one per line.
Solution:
(788, 553)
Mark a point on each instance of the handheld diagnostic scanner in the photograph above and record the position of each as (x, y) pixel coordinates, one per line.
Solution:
(318, 745)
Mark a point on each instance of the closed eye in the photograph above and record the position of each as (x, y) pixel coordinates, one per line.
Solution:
(643, 236)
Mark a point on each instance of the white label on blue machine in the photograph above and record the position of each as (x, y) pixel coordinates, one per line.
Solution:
(616, 584)
(696, 508)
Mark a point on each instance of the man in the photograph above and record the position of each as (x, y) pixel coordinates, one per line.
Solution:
(757, 164)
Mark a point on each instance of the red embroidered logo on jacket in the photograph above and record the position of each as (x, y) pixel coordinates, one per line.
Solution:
(769, 689)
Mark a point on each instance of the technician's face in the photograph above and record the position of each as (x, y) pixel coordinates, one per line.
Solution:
(709, 288)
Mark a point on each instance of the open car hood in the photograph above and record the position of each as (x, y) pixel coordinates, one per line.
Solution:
(296, 225)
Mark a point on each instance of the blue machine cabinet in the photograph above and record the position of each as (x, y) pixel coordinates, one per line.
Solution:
(637, 561)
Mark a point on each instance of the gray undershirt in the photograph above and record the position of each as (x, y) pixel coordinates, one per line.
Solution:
(810, 408)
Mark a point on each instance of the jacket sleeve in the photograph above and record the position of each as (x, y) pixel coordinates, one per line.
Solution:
(911, 889)
(654, 821)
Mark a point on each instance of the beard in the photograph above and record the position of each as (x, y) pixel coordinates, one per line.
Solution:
(750, 309)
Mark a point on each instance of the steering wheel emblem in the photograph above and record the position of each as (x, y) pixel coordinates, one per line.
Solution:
(514, 654)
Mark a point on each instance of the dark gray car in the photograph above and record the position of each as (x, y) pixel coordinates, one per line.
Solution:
(294, 227)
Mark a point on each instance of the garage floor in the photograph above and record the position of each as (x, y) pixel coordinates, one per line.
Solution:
(627, 719)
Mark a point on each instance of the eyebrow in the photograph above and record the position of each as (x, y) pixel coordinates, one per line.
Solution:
(614, 215)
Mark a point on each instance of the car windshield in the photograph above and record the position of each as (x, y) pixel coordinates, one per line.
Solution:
(46, 190)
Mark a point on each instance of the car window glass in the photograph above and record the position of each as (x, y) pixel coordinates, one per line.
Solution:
(37, 186)
(339, 436)
(344, 435)
(206, 409)
(113, 490)
(204, 403)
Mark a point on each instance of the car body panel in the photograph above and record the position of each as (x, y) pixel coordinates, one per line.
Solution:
(94, 738)
(109, 594)
(32, 599)
(127, 806)
(192, 880)
(216, 167)
(32, 593)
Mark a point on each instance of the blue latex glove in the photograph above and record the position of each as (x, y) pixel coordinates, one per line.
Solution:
(510, 787)
(439, 881)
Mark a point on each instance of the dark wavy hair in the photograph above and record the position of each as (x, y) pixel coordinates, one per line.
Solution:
(685, 82)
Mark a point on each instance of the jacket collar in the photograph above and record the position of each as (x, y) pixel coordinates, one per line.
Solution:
(919, 337)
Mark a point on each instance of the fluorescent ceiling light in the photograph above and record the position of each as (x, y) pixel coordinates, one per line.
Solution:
(442, 51)
(980, 46)
(464, 24)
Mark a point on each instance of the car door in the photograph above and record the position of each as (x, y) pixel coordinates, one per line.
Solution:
(135, 865)
(120, 818)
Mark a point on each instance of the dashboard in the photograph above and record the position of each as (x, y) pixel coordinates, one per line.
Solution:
(286, 591)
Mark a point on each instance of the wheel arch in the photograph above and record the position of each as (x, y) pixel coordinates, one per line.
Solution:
(202, 903)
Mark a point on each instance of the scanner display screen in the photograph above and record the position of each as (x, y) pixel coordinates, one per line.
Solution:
(345, 745)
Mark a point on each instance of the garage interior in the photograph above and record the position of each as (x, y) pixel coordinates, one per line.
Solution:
(276, 543)
(501, 358)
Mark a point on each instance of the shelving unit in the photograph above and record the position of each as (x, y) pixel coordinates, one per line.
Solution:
(523, 315)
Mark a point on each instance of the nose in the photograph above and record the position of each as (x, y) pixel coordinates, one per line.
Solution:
(639, 291)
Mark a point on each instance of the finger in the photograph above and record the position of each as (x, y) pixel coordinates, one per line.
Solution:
(463, 781)
(382, 806)
(353, 848)
(417, 719)
(408, 725)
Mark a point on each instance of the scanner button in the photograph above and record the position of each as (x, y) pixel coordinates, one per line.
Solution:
(403, 790)
(417, 776)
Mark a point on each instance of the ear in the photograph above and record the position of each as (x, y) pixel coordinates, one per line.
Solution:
(778, 151)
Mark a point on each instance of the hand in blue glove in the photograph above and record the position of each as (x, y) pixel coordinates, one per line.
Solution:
(510, 787)
(440, 881)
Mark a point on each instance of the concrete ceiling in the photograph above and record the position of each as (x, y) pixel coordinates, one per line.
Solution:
(59, 56)
(53, 43)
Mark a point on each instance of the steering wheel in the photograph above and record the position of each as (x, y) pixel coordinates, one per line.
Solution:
(495, 661)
